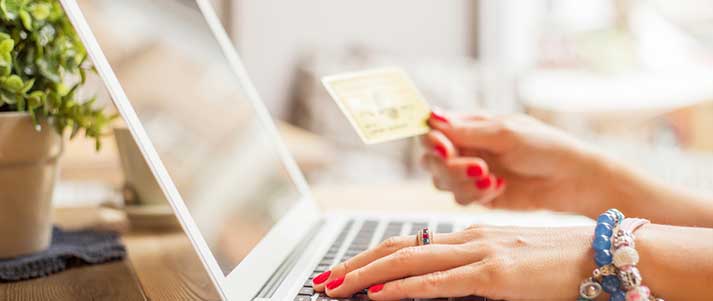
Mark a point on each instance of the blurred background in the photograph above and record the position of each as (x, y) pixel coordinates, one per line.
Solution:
(638, 73)
(633, 76)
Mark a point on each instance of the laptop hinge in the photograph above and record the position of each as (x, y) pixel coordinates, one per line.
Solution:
(276, 279)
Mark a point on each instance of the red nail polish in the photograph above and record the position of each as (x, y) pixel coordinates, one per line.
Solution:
(441, 151)
(499, 182)
(474, 171)
(335, 283)
(321, 277)
(483, 183)
(439, 117)
(376, 288)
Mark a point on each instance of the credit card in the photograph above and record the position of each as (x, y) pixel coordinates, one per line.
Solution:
(381, 104)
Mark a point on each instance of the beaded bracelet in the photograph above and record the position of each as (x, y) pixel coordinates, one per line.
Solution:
(625, 257)
(616, 271)
(602, 277)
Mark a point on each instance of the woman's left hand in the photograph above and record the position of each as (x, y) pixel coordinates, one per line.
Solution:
(513, 263)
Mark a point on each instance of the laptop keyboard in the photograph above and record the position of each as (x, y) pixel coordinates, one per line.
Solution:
(359, 243)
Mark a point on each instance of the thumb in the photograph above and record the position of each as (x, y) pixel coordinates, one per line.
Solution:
(478, 133)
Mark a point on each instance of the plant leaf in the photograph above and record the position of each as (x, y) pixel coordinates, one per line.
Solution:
(26, 19)
(28, 85)
(40, 11)
(7, 45)
(12, 83)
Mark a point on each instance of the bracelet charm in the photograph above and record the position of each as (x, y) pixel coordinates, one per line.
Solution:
(625, 256)
(590, 289)
(640, 293)
(630, 277)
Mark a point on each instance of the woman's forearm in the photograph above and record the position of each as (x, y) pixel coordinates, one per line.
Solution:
(676, 262)
(639, 195)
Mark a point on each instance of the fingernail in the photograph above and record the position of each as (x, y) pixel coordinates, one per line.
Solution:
(376, 288)
(499, 182)
(483, 183)
(335, 283)
(321, 277)
(439, 117)
(441, 151)
(474, 171)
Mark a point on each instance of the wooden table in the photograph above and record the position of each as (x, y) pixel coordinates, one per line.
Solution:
(162, 265)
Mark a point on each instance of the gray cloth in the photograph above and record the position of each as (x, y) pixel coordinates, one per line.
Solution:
(68, 249)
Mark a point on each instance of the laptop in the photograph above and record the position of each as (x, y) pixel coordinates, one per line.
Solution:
(181, 88)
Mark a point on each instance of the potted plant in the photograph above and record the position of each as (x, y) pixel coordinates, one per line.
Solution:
(42, 65)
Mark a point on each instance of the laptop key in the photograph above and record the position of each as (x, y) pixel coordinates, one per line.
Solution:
(303, 298)
(444, 228)
(308, 291)
(327, 298)
(415, 227)
(360, 297)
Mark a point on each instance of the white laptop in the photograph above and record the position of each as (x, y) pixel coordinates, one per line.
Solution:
(179, 84)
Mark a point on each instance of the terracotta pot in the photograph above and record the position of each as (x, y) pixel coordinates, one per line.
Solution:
(28, 171)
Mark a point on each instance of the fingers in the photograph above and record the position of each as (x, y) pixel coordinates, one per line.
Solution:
(477, 131)
(481, 191)
(404, 263)
(468, 178)
(385, 248)
(456, 170)
(438, 144)
(457, 282)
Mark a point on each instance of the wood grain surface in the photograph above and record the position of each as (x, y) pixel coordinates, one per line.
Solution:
(111, 281)
(161, 266)
(168, 267)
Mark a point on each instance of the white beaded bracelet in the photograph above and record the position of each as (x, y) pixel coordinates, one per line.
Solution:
(625, 258)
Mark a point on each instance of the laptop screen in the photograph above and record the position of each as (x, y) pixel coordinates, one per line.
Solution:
(224, 162)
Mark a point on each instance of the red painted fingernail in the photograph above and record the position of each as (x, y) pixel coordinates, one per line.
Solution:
(439, 117)
(474, 171)
(335, 283)
(321, 277)
(499, 182)
(376, 288)
(441, 151)
(483, 183)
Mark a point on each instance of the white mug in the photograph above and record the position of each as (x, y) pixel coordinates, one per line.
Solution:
(140, 187)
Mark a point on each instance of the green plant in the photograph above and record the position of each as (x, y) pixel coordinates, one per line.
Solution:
(42, 64)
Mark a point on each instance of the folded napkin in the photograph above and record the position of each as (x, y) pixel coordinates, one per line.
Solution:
(68, 249)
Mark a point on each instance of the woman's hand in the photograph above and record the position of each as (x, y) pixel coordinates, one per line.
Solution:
(512, 263)
(513, 162)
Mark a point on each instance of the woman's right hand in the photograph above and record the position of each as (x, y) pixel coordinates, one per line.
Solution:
(514, 162)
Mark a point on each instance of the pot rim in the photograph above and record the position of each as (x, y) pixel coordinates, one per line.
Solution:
(15, 113)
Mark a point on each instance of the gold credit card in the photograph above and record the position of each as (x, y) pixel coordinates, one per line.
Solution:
(381, 104)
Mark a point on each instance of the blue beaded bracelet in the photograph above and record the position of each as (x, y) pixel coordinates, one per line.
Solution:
(590, 288)
(606, 222)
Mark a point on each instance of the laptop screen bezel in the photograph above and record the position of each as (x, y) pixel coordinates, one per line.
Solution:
(249, 276)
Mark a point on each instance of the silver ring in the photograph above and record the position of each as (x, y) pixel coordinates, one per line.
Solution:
(424, 237)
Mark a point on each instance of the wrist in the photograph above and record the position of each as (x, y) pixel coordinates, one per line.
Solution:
(623, 187)
(606, 184)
